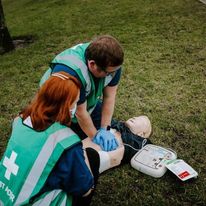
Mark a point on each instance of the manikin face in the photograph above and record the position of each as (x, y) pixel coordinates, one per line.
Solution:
(140, 126)
(100, 73)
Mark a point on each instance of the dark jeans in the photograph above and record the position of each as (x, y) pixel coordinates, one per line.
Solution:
(96, 118)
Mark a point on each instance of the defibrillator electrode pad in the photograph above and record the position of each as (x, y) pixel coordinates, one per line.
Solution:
(151, 160)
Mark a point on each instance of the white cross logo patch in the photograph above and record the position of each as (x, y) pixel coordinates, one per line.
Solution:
(10, 165)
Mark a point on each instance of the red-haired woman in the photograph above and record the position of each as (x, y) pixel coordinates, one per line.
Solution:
(44, 163)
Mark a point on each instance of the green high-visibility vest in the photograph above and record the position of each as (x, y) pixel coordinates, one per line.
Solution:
(28, 160)
(75, 59)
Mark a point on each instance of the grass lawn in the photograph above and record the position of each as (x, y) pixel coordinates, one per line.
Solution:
(164, 77)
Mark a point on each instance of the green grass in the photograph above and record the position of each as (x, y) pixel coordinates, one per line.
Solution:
(164, 77)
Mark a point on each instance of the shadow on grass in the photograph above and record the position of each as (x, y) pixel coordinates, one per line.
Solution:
(18, 42)
(23, 41)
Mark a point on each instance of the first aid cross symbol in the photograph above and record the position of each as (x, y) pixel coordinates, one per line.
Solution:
(10, 165)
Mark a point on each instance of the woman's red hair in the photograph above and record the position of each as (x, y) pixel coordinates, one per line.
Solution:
(53, 102)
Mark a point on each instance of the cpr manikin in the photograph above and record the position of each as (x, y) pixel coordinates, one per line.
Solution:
(140, 126)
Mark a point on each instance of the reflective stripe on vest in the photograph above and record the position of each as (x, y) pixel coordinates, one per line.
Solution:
(81, 65)
(47, 199)
(52, 198)
(108, 79)
(40, 163)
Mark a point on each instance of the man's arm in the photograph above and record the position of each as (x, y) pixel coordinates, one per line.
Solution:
(85, 121)
(109, 95)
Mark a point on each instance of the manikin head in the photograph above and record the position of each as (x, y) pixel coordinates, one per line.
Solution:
(140, 125)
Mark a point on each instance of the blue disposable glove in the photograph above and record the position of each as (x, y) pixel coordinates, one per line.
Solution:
(106, 140)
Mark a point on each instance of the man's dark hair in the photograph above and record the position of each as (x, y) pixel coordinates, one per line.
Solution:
(106, 51)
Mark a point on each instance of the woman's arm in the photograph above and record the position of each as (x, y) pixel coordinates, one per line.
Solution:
(71, 174)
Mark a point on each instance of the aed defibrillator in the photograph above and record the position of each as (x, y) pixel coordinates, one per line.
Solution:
(154, 160)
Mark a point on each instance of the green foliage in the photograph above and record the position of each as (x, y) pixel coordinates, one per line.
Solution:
(164, 77)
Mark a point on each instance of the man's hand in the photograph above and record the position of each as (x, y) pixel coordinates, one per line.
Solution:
(106, 140)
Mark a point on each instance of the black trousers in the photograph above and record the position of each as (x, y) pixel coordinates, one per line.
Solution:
(94, 162)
